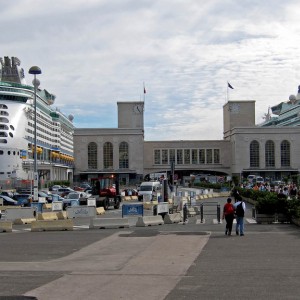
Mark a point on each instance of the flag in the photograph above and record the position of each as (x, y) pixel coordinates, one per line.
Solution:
(144, 90)
(229, 85)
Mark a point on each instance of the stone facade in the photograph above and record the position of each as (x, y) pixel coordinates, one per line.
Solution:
(230, 156)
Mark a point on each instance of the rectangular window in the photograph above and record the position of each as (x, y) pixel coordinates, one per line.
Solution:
(216, 156)
(209, 156)
(179, 157)
(194, 156)
(187, 156)
(172, 155)
(157, 157)
(202, 156)
(164, 157)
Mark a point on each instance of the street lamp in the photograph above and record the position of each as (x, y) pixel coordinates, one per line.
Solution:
(35, 71)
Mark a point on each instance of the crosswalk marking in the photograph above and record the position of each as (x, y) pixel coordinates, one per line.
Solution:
(81, 226)
(215, 221)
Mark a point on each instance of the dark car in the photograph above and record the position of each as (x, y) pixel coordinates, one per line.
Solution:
(130, 192)
(8, 201)
(22, 199)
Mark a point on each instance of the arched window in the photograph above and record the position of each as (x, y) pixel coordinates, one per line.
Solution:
(108, 155)
(254, 154)
(285, 153)
(123, 156)
(270, 154)
(92, 155)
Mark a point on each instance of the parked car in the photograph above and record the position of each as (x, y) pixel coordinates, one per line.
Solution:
(73, 196)
(78, 189)
(23, 199)
(48, 197)
(63, 192)
(250, 178)
(54, 188)
(258, 180)
(8, 201)
(7, 193)
(85, 186)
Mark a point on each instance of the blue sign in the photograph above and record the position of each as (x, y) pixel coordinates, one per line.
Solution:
(132, 209)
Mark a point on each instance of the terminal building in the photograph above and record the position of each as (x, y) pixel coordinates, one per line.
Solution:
(270, 149)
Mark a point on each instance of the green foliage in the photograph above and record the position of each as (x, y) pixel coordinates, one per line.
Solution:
(59, 182)
(216, 186)
(235, 180)
(267, 204)
(252, 194)
(294, 208)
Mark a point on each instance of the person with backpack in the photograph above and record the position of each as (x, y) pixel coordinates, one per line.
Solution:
(240, 208)
(228, 215)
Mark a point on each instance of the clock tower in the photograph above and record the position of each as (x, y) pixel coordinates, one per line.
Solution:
(131, 115)
(238, 114)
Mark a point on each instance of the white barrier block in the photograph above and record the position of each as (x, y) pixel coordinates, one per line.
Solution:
(5, 226)
(12, 214)
(55, 225)
(149, 221)
(81, 212)
(173, 218)
(104, 223)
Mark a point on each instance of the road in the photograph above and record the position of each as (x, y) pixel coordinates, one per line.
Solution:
(171, 261)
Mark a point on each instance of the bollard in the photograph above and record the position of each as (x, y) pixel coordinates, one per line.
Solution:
(184, 213)
(219, 213)
(201, 212)
(253, 213)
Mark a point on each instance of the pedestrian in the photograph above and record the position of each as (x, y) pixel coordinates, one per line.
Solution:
(228, 215)
(240, 208)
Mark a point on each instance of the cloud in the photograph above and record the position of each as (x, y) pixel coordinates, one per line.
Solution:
(94, 53)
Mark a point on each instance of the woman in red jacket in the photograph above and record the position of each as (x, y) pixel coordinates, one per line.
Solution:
(228, 215)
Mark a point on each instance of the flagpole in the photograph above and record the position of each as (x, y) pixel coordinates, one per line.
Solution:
(227, 91)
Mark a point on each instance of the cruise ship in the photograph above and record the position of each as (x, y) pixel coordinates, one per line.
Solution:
(286, 113)
(55, 159)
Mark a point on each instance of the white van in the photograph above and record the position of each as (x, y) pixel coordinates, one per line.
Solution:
(149, 188)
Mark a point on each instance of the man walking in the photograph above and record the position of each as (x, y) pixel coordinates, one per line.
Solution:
(240, 208)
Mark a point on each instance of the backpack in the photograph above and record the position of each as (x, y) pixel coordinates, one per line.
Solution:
(229, 209)
(240, 210)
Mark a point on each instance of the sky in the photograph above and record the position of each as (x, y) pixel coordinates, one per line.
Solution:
(95, 53)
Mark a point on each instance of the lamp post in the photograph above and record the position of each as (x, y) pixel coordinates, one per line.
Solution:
(35, 71)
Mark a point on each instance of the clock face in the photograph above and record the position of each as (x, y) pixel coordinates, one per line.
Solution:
(138, 109)
(234, 108)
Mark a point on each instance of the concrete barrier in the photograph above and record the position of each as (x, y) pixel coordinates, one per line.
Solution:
(149, 221)
(51, 215)
(173, 218)
(100, 210)
(81, 212)
(148, 205)
(24, 221)
(5, 226)
(55, 225)
(104, 223)
(12, 214)
(47, 205)
(191, 212)
(61, 215)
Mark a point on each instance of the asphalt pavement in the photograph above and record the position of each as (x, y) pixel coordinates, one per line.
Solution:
(172, 261)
